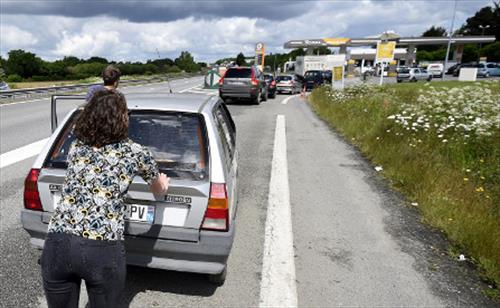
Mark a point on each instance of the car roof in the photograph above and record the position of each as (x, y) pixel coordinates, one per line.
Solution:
(168, 102)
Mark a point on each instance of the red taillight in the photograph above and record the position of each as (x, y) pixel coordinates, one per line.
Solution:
(31, 195)
(255, 82)
(217, 214)
(273, 83)
(221, 81)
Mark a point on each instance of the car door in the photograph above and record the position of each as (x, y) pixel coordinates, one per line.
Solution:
(227, 134)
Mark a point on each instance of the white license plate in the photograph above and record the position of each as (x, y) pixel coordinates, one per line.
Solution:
(238, 83)
(143, 213)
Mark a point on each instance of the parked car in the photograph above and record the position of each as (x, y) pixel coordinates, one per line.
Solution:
(243, 83)
(313, 79)
(327, 76)
(413, 74)
(4, 86)
(271, 85)
(193, 140)
(456, 72)
(488, 69)
(435, 69)
(452, 70)
(291, 83)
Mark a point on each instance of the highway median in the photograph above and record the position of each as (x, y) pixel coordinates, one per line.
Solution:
(439, 145)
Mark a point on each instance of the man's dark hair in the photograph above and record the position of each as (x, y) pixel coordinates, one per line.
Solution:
(110, 75)
(104, 120)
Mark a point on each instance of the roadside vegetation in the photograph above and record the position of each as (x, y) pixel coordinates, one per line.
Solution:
(22, 66)
(439, 144)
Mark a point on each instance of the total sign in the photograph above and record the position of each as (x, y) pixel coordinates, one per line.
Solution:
(260, 53)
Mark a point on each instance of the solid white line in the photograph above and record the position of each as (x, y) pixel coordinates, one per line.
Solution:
(25, 102)
(22, 153)
(285, 101)
(278, 287)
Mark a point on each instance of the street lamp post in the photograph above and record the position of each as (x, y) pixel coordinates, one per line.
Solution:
(449, 40)
(482, 33)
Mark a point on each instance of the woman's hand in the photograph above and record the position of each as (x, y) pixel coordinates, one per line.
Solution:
(160, 185)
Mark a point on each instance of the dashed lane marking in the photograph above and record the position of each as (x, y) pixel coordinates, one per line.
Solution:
(22, 153)
(278, 287)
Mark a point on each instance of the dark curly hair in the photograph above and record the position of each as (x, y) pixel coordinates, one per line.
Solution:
(104, 119)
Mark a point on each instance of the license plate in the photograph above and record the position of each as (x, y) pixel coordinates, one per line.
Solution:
(237, 83)
(143, 213)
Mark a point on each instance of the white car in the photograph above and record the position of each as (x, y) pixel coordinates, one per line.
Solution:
(435, 69)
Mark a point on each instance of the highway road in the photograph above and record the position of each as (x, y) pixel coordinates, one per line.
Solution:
(349, 239)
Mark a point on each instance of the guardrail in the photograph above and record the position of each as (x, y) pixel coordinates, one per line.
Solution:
(11, 95)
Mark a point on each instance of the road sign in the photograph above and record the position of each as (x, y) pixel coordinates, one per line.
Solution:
(260, 55)
(385, 52)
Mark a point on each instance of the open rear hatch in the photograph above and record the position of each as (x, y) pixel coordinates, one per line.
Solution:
(179, 145)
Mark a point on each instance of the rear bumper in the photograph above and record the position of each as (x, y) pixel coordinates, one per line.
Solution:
(239, 93)
(208, 255)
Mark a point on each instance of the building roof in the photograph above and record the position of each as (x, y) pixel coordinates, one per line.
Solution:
(371, 41)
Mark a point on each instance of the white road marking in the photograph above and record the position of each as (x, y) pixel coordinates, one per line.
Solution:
(285, 101)
(24, 102)
(22, 153)
(187, 89)
(278, 287)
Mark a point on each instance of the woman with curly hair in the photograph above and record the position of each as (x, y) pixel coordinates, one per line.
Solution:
(86, 232)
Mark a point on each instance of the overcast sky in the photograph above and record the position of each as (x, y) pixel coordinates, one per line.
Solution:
(132, 30)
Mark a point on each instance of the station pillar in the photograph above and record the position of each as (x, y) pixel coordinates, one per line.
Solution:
(310, 51)
(458, 53)
(411, 55)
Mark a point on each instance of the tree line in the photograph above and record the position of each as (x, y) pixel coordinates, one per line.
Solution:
(22, 65)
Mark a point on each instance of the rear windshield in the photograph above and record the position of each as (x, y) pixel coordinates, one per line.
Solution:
(268, 77)
(238, 73)
(177, 140)
(283, 78)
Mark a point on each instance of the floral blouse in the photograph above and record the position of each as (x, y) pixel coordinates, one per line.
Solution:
(96, 181)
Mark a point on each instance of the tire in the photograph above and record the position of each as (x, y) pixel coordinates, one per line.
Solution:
(429, 78)
(273, 95)
(487, 75)
(218, 279)
(399, 81)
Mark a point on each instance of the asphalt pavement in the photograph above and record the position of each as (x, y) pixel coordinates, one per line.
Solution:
(354, 241)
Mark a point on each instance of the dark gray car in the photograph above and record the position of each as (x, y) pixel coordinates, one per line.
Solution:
(193, 140)
(243, 83)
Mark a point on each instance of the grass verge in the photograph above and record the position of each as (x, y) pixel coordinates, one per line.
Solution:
(439, 144)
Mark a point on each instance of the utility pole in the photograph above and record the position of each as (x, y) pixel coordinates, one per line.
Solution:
(449, 40)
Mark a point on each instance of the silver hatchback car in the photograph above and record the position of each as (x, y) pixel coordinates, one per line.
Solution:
(193, 140)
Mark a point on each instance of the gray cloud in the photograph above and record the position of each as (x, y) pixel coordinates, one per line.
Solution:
(159, 10)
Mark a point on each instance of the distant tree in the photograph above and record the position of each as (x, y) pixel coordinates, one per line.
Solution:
(186, 62)
(433, 32)
(491, 52)
(323, 50)
(97, 60)
(486, 16)
(2, 68)
(240, 59)
(22, 63)
(70, 61)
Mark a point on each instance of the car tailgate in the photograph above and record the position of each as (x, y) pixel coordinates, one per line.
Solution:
(177, 216)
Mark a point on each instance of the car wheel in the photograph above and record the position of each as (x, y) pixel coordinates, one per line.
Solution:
(429, 78)
(218, 279)
(399, 81)
(487, 75)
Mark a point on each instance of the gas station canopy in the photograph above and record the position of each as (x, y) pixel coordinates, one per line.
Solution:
(337, 42)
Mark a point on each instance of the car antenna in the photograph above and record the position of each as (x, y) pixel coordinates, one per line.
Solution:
(166, 74)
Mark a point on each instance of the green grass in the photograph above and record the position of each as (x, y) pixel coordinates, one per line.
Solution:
(456, 184)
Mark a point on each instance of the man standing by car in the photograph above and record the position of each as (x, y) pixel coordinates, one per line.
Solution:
(111, 78)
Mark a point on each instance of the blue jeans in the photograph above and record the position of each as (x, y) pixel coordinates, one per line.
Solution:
(67, 259)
